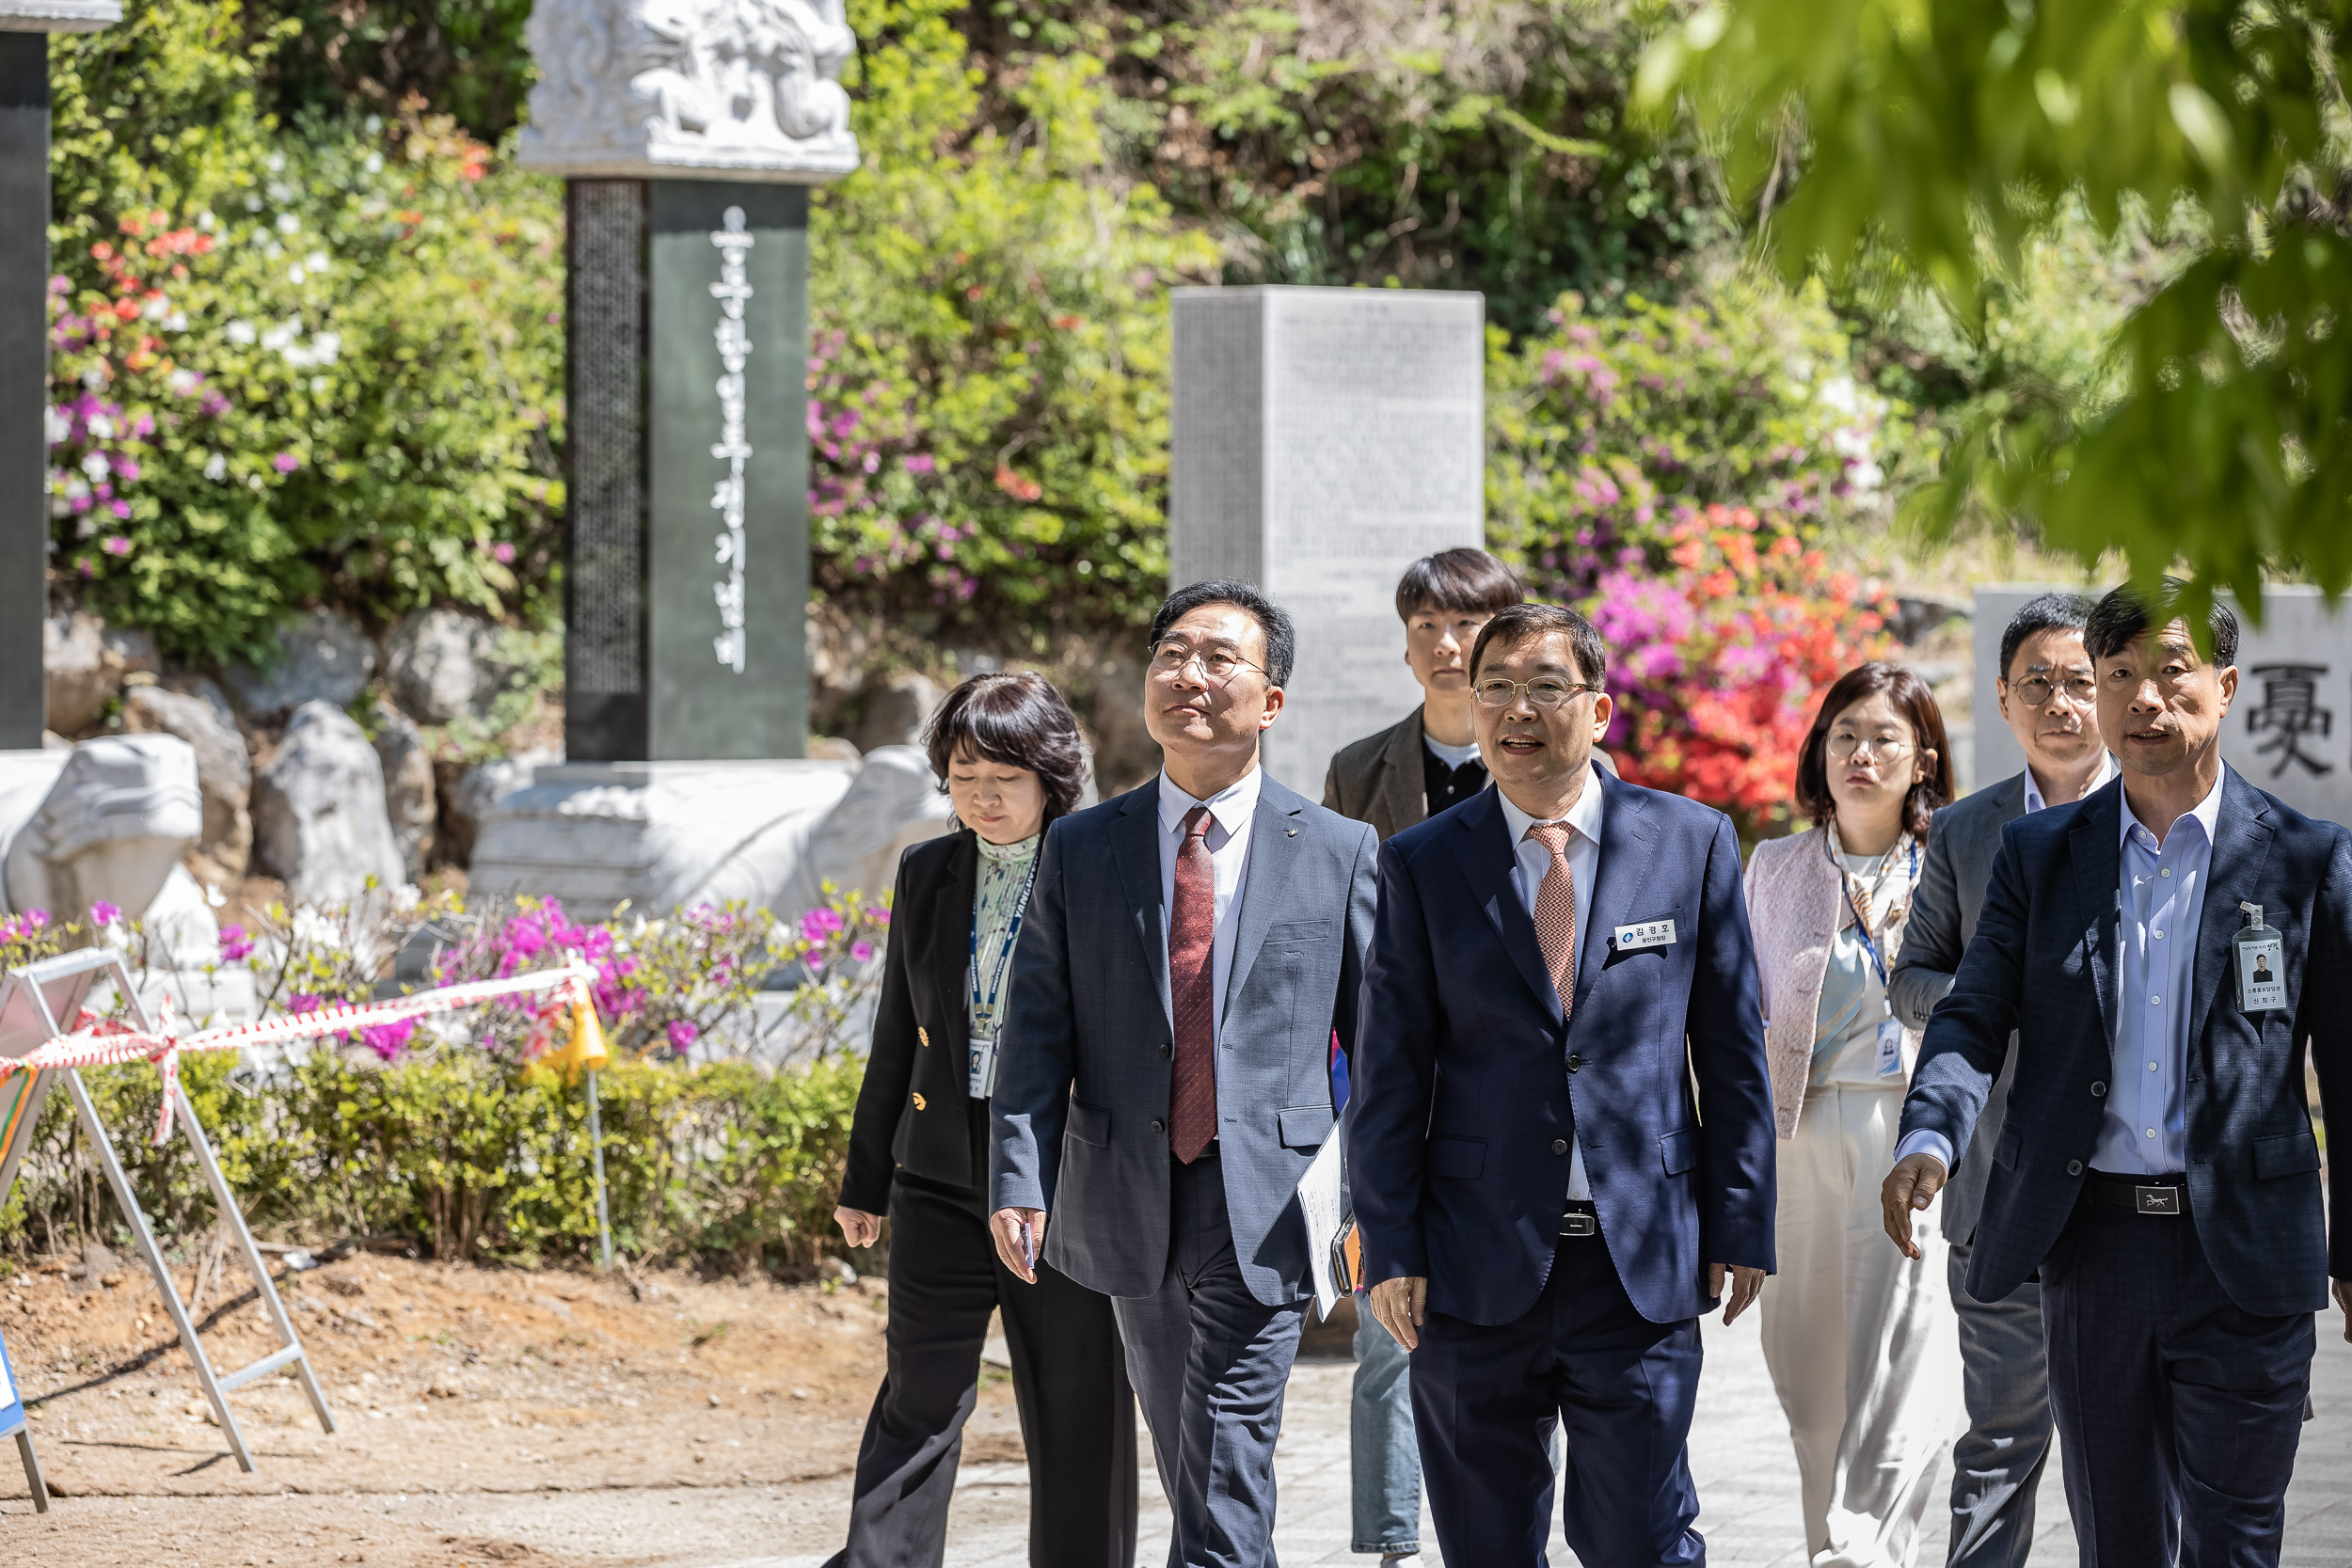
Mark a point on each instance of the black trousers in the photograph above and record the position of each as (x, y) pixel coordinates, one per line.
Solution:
(1068, 1378)
(2177, 1414)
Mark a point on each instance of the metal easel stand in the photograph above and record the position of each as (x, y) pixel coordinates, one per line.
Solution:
(32, 1469)
(217, 1386)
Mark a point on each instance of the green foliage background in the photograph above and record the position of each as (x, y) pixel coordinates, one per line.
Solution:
(991, 341)
(724, 1166)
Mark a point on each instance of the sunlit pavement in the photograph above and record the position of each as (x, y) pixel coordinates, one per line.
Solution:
(1747, 1480)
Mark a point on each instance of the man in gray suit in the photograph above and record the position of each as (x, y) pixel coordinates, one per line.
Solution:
(2046, 697)
(1188, 952)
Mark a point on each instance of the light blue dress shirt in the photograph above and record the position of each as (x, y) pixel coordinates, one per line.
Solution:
(2160, 896)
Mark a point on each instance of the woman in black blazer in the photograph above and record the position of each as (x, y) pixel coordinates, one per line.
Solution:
(1009, 749)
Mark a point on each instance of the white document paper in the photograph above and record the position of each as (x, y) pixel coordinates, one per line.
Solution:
(1319, 1201)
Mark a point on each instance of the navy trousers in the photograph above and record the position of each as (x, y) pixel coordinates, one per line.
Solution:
(1210, 1362)
(1486, 1401)
(2178, 1414)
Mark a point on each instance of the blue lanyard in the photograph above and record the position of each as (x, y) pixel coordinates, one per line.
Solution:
(986, 1006)
(1869, 945)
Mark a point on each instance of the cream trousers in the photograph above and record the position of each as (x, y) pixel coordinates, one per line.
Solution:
(1862, 1343)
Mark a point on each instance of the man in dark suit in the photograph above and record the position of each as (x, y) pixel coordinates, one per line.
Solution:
(2047, 699)
(1561, 1134)
(1190, 950)
(2157, 1166)
(1393, 779)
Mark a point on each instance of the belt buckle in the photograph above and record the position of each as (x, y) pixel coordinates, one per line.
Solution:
(1579, 1225)
(2157, 1200)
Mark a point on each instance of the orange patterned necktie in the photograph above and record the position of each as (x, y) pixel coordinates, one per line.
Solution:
(1192, 992)
(1555, 911)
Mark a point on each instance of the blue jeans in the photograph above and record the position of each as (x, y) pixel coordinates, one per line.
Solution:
(1384, 1455)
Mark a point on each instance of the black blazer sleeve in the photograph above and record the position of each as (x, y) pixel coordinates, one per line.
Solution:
(2326, 1005)
(1967, 1038)
(882, 1099)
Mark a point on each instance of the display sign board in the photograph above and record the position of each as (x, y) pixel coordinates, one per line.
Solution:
(2290, 728)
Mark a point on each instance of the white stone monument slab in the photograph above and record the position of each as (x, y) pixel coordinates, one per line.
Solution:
(58, 16)
(712, 90)
(2290, 729)
(1324, 440)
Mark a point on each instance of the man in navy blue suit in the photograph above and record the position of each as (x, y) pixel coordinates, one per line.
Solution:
(2182, 936)
(1546, 1206)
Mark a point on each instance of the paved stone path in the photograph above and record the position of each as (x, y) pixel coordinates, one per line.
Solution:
(1746, 1473)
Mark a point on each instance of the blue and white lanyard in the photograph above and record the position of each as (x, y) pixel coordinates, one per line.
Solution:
(1869, 944)
(986, 1006)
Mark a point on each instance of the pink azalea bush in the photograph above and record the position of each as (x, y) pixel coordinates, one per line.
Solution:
(1685, 474)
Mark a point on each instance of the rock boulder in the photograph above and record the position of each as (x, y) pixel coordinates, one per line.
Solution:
(320, 821)
(224, 774)
(86, 660)
(408, 793)
(440, 663)
(321, 656)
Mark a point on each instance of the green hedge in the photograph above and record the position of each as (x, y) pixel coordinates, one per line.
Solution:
(724, 1166)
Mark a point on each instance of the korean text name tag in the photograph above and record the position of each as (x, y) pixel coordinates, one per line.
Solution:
(1649, 933)
(2261, 969)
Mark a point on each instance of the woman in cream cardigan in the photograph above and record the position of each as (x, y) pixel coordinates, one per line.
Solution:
(1860, 1341)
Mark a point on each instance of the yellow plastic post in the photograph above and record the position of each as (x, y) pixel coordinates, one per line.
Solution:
(585, 1049)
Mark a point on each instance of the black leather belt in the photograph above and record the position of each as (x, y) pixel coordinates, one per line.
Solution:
(1579, 1218)
(2166, 1195)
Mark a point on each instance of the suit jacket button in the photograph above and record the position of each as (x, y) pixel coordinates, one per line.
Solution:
(1164, 1053)
(1559, 1146)
(2074, 1167)
(1159, 1126)
(1575, 1062)
(2098, 1091)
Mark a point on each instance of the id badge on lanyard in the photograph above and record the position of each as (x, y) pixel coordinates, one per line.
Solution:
(980, 1067)
(2262, 968)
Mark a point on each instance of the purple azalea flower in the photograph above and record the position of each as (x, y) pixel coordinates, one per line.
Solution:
(285, 462)
(388, 1040)
(235, 944)
(682, 1036)
(862, 951)
(105, 913)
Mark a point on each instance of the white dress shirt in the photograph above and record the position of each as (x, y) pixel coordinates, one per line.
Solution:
(1531, 865)
(2161, 896)
(2033, 785)
(1230, 811)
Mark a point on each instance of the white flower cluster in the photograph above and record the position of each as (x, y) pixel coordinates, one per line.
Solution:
(285, 340)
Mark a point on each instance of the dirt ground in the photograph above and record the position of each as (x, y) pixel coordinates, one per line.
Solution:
(485, 1415)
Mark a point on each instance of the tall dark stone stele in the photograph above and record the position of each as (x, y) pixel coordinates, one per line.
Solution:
(646, 676)
(688, 133)
(24, 384)
(24, 29)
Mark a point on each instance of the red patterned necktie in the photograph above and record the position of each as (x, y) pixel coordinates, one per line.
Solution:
(1192, 992)
(1555, 911)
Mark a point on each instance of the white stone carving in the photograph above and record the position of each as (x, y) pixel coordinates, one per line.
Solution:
(58, 16)
(720, 89)
(733, 447)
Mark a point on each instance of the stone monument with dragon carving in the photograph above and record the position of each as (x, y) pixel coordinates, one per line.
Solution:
(688, 133)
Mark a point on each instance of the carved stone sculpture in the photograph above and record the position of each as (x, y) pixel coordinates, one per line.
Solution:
(742, 89)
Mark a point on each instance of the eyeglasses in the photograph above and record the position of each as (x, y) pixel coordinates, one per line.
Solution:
(1889, 747)
(1175, 656)
(2037, 691)
(1544, 692)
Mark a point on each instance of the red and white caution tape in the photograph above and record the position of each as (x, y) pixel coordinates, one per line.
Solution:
(110, 1042)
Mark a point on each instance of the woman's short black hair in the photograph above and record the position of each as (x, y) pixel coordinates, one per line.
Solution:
(1463, 581)
(1916, 703)
(1020, 719)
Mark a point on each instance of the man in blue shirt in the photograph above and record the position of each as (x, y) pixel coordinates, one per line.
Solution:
(2156, 1167)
